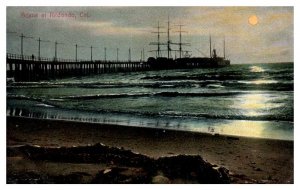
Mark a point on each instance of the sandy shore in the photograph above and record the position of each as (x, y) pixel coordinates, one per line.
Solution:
(263, 160)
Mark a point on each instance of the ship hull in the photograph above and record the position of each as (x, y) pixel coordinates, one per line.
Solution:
(182, 63)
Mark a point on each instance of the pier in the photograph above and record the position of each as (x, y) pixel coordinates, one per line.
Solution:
(22, 67)
(30, 68)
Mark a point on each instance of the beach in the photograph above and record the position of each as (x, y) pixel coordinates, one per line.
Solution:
(246, 160)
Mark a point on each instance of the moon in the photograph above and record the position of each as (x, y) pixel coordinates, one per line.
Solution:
(253, 20)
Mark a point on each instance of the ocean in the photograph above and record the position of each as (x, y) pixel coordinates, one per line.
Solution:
(252, 100)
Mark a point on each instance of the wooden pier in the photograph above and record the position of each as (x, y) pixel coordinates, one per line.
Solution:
(30, 68)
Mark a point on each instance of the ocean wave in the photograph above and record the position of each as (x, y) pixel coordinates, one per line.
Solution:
(231, 81)
(258, 82)
(269, 85)
(99, 96)
(23, 97)
(25, 112)
(97, 85)
(38, 102)
(44, 105)
(178, 114)
(124, 95)
(206, 76)
(202, 94)
(162, 94)
(215, 86)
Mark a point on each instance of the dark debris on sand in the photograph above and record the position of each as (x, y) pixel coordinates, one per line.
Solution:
(124, 166)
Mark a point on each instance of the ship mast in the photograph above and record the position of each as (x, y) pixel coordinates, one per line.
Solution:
(210, 45)
(169, 42)
(224, 47)
(169, 49)
(158, 51)
(158, 44)
(180, 41)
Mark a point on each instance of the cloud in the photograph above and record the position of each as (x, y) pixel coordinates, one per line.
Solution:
(100, 28)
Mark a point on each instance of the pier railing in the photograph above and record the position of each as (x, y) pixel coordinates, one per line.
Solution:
(35, 58)
(46, 59)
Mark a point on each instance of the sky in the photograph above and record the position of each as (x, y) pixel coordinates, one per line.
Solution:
(271, 39)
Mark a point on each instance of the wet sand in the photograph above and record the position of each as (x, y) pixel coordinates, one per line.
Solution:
(252, 159)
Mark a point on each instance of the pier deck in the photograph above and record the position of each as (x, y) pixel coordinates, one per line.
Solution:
(30, 68)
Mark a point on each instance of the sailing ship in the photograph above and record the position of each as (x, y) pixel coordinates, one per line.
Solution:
(184, 60)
